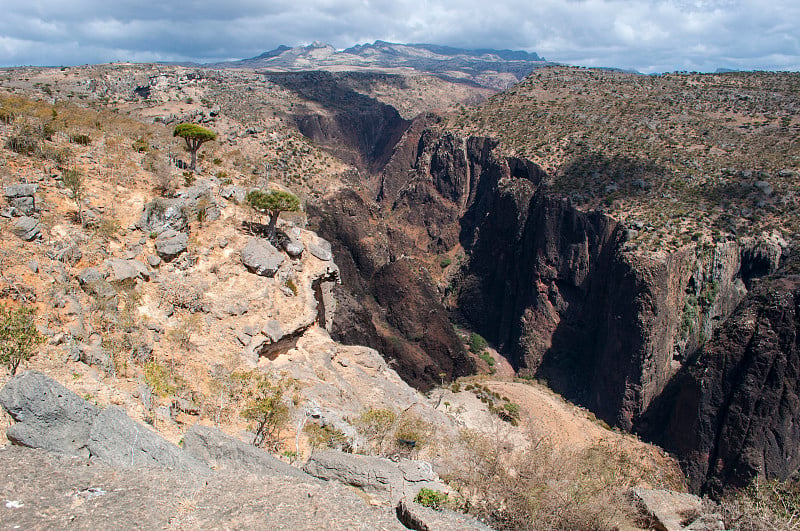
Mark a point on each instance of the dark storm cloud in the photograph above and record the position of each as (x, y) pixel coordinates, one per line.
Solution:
(647, 35)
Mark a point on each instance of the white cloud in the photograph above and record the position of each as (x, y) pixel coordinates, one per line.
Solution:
(647, 35)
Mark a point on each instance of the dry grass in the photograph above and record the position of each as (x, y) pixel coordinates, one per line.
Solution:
(545, 487)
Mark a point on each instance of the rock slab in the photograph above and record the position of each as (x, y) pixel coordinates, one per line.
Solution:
(223, 452)
(261, 258)
(375, 475)
(170, 244)
(47, 414)
(119, 441)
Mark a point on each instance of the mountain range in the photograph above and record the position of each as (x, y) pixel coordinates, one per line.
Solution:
(492, 68)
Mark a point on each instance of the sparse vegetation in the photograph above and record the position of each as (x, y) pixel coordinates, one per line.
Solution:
(430, 498)
(18, 336)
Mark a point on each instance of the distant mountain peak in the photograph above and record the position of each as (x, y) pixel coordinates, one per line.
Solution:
(493, 68)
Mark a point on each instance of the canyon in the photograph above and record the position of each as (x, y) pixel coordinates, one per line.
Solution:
(593, 272)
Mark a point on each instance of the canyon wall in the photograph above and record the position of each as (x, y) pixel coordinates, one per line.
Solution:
(558, 290)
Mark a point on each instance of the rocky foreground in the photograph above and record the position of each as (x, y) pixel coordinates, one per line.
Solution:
(104, 469)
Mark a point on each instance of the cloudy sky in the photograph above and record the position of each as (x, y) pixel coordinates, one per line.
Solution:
(646, 35)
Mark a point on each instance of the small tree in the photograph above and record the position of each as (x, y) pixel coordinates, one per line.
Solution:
(195, 136)
(273, 203)
(18, 336)
(73, 180)
(266, 408)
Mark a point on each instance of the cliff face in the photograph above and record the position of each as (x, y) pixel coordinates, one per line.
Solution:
(357, 128)
(733, 411)
(559, 291)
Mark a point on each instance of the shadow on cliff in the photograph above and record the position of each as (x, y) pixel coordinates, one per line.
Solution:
(358, 129)
(732, 412)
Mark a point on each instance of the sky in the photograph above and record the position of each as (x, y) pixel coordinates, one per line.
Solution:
(644, 35)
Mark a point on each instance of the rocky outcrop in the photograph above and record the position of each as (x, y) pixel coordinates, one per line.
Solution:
(27, 228)
(674, 511)
(47, 415)
(732, 412)
(162, 214)
(222, 452)
(119, 441)
(415, 516)
(52, 417)
(375, 475)
(170, 244)
(21, 198)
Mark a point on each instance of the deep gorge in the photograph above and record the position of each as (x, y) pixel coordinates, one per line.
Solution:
(560, 295)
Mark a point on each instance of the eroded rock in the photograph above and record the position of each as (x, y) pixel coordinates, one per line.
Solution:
(261, 258)
(47, 414)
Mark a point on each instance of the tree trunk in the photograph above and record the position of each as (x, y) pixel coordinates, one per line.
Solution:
(194, 160)
(273, 223)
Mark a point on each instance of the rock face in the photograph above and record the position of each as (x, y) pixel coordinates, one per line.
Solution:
(375, 475)
(119, 441)
(223, 452)
(557, 290)
(733, 411)
(359, 129)
(163, 214)
(261, 258)
(47, 415)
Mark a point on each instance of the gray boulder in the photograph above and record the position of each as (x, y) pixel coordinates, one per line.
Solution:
(93, 283)
(162, 214)
(170, 244)
(20, 198)
(66, 252)
(223, 452)
(293, 248)
(26, 228)
(119, 441)
(47, 414)
(261, 258)
(375, 475)
(122, 270)
(669, 510)
(321, 249)
(96, 356)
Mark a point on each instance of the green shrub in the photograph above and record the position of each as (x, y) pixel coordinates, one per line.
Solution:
(327, 436)
(485, 356)
(158, 378)
(18, 336)
(477, 343)
(445, 262)
(433, 499)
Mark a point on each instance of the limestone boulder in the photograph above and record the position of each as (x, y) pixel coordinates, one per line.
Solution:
(261, 258)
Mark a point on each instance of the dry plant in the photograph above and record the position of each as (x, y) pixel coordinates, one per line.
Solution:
(543, 487)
